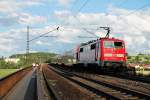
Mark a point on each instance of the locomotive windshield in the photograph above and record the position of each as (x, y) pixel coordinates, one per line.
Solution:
(118, 44)
(108, 44)
(112, 44)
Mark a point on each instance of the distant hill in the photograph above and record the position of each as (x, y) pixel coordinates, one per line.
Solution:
(38, 57)
(27, 60)
(38, 54)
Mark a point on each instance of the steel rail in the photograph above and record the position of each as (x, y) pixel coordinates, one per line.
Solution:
(133, 92)
(51, 90)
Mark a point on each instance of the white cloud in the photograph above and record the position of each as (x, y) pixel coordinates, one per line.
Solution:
(12, 12)
(8, 21)
(27, 19)
(22, 19)
(134, 28)
(43, 43)
(64, 2)
(12, 40)
(9, 6)
(6, 45)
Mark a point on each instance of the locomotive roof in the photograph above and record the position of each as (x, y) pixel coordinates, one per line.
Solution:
(93, 41)
(110, 39)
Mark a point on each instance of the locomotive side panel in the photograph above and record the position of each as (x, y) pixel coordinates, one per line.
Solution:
(89, 54)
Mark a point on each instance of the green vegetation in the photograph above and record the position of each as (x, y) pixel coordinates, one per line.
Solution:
(39, 57)
(66, 59)
(140, 58)
(26, 60)
(8, 65)
(5, 72)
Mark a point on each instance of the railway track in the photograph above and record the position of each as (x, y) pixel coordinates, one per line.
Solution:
(134, 84)
(59, 88)
(101, 88)
(132, 77)
(96, 72)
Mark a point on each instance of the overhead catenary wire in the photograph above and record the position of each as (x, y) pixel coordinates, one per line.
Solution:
(85, 3)
(83, 28)
(132, 12)
(76, 1)
(140, 8)
(74, 5)
(50, 36)
(44, 34)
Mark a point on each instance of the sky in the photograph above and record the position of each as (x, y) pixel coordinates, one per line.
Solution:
(129, 20)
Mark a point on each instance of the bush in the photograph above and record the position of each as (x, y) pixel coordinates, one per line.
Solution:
(7, 65)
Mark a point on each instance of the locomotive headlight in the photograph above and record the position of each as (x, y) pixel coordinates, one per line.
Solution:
(108, 55)
(120, 55)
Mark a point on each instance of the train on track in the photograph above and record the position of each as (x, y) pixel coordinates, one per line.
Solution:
(106, 53)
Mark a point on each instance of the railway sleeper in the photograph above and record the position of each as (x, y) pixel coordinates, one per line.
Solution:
(109, 91)
(98, 89)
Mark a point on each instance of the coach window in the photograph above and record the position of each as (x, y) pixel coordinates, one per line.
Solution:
(81, 49)
(93, 46)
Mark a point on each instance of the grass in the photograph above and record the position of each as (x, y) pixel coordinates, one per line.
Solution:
(5, 72)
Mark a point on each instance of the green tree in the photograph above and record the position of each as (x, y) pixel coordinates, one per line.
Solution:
(137, 58)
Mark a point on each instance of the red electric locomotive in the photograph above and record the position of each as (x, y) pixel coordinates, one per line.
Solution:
(105, 52)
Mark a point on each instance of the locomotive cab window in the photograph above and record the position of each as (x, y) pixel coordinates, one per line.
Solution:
(93, 46)
(108, 44)
(81, 49)
(118, 44)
